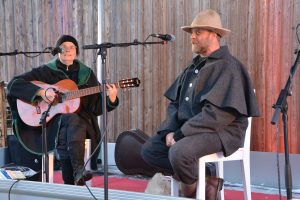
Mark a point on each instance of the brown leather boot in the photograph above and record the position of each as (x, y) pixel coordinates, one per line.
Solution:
(212, 188)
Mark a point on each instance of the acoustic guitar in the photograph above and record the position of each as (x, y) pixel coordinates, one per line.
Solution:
(69, 99)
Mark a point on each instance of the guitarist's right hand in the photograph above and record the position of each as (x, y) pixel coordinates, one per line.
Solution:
(48, 95)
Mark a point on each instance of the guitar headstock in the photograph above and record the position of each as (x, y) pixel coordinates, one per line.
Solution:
(131, 82)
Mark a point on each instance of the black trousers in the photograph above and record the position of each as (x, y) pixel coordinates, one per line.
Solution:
(73, 129)
(181, 159)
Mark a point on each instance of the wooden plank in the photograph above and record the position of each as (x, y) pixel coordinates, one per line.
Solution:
(115, 55)
(19, 35)
(256, 71)
(242, 19)
(164, 67)
(56, 21)
(3, 117)
(10, 34)
(86, 32)
(66, 18)
(148, 71)
(168, 68)
(135, 62)
(158, 27)
(272, 58)
(123, 62)
(26, 36)
(29, 35)
(138, 95)
(3, 59)
(36, 13)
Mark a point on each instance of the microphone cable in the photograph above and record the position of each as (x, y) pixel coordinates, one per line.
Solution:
(277, 160)
(38, 54)
(10, 188)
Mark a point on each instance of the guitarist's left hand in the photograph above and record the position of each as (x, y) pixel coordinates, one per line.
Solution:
(112, 92)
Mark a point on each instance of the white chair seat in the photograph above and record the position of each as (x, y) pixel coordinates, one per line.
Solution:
(217, 157)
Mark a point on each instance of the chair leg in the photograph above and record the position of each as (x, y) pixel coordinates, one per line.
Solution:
(246, 175)
(220, 174)
(87, 154)
(51, 166)
(201, 182)
(174, 187)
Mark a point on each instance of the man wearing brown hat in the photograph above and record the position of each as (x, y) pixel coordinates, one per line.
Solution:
(210, 102)
(65, 132)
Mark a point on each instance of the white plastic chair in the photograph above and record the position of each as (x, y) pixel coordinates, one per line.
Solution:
(242, 154)
(87, 154)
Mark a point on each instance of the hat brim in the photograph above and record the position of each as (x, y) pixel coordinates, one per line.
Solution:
(221, 31)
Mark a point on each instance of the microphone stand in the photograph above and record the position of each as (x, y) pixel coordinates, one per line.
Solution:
(103, 52)
(282, 106)
(45, 158)
(126, 44)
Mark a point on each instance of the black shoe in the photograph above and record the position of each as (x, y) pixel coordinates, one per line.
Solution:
(82, 176)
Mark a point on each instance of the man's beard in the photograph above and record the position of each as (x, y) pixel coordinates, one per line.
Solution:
(199, 49)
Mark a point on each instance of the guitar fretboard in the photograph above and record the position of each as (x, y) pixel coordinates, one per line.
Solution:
(84, 92)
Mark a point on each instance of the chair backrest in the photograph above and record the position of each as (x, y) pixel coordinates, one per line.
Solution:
(248, 135)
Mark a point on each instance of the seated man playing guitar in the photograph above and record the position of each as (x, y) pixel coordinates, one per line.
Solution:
(68, 130)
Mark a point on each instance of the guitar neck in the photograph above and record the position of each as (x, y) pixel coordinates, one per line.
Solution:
(85, 92)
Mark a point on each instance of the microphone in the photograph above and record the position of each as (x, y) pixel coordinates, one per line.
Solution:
(56, 50)
(165, 37)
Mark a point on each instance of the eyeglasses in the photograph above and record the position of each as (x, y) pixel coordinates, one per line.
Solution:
(71, 48)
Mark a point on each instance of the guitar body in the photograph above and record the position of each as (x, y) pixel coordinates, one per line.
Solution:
(31, 113)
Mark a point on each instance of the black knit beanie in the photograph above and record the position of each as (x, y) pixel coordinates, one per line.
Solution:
(68, 38)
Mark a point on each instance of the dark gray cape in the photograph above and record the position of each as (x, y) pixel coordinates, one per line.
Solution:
(224, 82)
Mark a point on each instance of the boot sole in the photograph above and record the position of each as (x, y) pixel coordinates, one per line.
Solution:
(85, 178)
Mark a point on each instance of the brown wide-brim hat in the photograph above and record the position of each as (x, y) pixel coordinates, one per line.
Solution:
(209, 20)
